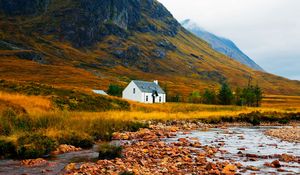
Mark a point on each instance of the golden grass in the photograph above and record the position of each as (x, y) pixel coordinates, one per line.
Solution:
(54, 123)
(32, 104)
(282, 102)
(40, 106)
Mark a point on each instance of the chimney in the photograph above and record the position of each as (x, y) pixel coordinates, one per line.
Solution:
(156, 82)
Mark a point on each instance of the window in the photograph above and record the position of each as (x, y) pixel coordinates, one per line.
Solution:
(147, 98)
(159, 99)
(133, 90)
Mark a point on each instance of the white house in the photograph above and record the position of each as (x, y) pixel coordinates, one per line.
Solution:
(144, 92)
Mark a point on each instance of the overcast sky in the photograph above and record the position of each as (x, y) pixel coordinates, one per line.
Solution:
(268, 31)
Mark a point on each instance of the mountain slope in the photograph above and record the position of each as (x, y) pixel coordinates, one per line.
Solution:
(221, 44)
(90, 43)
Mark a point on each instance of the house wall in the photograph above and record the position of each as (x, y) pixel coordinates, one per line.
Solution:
(129, 95)
(140, 96)
(150, 98)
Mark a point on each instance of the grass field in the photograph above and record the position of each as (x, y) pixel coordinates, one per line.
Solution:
(27, 115)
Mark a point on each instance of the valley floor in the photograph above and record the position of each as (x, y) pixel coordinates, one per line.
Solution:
(31, 126)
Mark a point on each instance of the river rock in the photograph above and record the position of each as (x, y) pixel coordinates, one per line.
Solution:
(288, 158)
(33, 162)
(229, 169)
(65, 149)
(276, 164)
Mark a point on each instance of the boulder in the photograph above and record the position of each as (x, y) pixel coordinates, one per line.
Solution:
(229, 169)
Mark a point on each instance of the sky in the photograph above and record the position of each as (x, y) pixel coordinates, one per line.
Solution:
(268, 31)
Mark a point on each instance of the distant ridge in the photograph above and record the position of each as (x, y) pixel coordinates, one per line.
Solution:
(221, 44)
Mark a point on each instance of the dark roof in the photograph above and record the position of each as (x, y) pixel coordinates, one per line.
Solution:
(149, 87)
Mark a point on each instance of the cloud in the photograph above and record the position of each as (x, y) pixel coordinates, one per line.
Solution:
(266, 30)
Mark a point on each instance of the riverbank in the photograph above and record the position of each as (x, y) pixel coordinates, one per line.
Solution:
(175, 147)
(171, 149)
(287, 134)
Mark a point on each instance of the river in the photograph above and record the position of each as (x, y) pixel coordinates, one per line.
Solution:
(235, 140)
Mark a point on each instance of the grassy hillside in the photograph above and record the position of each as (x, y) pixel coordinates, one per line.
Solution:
(56, 47)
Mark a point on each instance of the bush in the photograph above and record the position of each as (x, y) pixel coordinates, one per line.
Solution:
(7, 149)
(10, 120)
(7, 121)
(85, 102)
(135, 126)
(34, 146)
(5, 128)
(81, 140)
(108, 151)
(102, 129)
(283, 121)
(255, 121)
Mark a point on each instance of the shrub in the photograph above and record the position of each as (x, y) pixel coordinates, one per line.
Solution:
(102, 129)
(34, 146)
(255, 121)
(108, 151)
(81, 140)
(195, 97)
(7, 149)
(85, 102)
(135, 126)
(11, 120)
(283, 121)
(5, 128)
(7, 121)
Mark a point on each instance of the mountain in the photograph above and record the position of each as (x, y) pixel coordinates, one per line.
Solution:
(88, 44)
(221, 44)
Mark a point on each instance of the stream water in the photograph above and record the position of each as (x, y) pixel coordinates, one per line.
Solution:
(54, 165)
(251, 139)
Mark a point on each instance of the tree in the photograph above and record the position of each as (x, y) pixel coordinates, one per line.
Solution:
(209, 97)
(225, 95)
(249, 96)
(238, 99)
(115, 90)
(258, 95)
(252, 96)
(195, 97)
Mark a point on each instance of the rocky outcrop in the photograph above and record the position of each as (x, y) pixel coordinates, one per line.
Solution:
(21, 51)
(24, 7)
(88, 21)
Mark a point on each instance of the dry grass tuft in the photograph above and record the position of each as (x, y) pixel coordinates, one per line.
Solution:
(32, 104)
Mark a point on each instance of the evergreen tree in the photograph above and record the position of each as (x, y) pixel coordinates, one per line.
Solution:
(209, 97)
(225, 95)
(238, 99)
(258, 95)
(115, 90)
(252, 96)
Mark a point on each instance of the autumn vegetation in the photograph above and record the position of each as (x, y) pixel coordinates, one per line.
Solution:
(36, 118)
